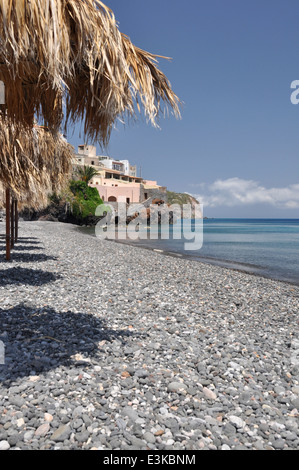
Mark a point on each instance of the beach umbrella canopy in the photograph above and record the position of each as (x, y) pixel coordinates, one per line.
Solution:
(66, 61)
(33, 162)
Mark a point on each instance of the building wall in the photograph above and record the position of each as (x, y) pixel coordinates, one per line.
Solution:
(150, 182)
(107, 162)
(158, 192)
(126, 166)
(89, 160)
(119, 192)
(133, 170)
(88, 150)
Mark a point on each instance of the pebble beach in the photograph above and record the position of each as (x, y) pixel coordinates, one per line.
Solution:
(109, 346)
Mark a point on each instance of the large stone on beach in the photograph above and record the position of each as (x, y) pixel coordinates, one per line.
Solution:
(42, 430)
(237, 421)
(62, 433)
(177, 387)
(209, 394)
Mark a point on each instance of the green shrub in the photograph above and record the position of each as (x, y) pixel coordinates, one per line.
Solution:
(85, 200)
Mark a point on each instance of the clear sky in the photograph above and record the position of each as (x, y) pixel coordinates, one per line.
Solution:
(237, 145)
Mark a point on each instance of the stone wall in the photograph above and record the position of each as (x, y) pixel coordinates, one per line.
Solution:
(153, 193)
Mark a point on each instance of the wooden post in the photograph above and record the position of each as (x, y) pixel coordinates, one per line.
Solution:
(7, 211)
(16, 221)
(12, 223)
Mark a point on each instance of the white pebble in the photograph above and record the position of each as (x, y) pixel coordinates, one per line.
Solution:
(4, 445)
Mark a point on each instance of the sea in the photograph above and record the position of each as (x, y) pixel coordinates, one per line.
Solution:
(264, 247)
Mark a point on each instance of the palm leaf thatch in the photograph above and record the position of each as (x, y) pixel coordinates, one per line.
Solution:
(66, 61)
(33, 162)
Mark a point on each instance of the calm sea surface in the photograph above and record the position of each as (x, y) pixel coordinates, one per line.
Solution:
(268, 247)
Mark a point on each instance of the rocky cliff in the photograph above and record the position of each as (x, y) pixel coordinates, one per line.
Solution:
(181, 199)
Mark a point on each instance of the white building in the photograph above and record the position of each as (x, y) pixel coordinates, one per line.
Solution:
(119, 165)
(87, 155)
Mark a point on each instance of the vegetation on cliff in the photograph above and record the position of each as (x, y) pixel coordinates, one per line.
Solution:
(76, 204)
(85, 199)
(180, 198)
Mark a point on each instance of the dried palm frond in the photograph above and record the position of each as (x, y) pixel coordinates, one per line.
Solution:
(33, 201)
(150, 84)
(72, 50)
(33, 162)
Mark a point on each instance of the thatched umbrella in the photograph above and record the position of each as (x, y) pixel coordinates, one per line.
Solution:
(33, 164)
(66, 61)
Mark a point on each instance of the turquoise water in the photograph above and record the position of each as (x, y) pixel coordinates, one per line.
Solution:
(268, 247)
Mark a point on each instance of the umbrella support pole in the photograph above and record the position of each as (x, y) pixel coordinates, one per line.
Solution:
(7, 212)
(12, 223)
(16, 234)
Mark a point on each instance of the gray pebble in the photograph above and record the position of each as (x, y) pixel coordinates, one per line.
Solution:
(149, 437)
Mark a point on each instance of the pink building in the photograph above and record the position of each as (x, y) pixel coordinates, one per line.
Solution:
(115, 187)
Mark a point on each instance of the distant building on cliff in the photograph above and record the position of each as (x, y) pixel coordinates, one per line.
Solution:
(117, 180)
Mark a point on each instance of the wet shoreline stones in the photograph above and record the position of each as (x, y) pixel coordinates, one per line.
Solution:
(110, 346)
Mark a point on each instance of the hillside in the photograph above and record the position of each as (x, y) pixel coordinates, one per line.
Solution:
(180, 198)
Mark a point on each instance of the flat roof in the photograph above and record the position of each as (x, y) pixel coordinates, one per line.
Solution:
(107, 170)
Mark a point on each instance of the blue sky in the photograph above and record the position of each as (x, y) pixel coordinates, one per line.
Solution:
(236, 147)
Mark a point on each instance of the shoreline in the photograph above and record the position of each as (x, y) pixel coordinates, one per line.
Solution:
(259, 271)
(109, 347)
(227, 264)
